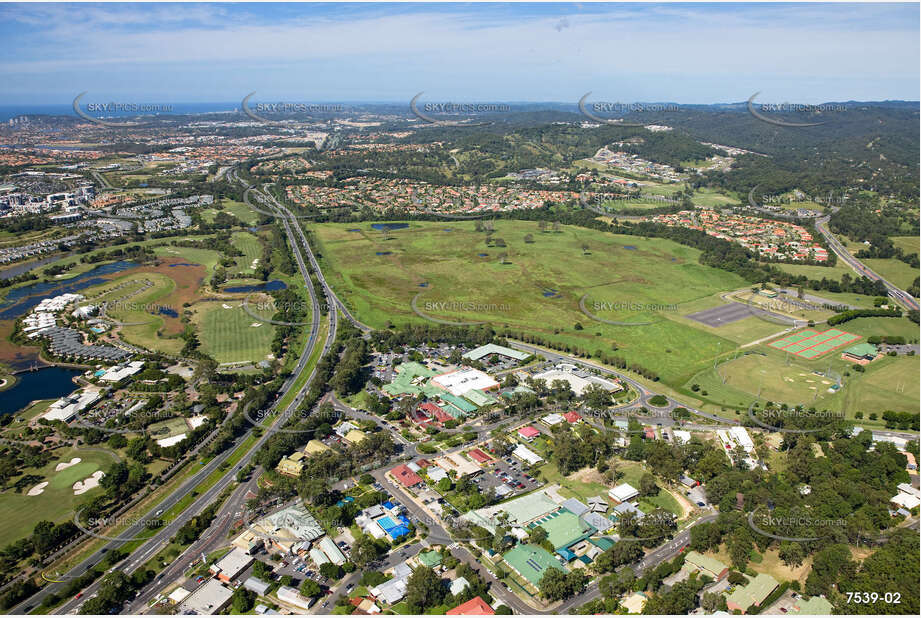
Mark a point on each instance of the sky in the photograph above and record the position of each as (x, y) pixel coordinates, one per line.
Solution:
(465, 52)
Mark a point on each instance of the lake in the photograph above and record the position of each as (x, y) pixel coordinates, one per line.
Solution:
(48, 383)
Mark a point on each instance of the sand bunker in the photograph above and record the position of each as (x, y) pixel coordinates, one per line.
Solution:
(37, 489)
(226, 306)
(255, 325)
(81, 487)
(66, 464)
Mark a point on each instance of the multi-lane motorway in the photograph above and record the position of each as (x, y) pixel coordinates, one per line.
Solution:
(901, 296)
(152, 545)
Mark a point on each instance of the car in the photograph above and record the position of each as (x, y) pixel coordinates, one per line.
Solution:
(199, 580)
(349, 587)
(783, 609)
(520, 485)
(78, 595)
(701, 504)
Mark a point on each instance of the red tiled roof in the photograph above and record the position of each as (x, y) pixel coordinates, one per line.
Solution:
(529, 432)
(407, 477)
(479, 455)
(474, 607)
(572, 417)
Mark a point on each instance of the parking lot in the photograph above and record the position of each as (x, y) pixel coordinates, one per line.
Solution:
(506, 472)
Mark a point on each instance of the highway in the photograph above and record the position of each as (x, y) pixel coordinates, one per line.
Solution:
(900, 296)
(162, 537)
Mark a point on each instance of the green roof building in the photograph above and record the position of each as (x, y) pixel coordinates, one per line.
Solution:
(406, 374)
(479, 398)
(462, 404)
(816, 606)
(531, 562)
(564, 529)
(695, 561)
(431, 559)
(757, 590)
(862, 351)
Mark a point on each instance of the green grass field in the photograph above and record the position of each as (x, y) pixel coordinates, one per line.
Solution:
(886, 383)
(539, 289)
(20, 512)
(228, 335)
(896, 271)
(168, 428)
(147, 326)
(205, 257)
(908, 244)
(251, 247)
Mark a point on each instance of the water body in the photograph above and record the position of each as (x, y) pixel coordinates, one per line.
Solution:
(384, 253)
(387, 227)
(20, 301)
(629, 247)
(15, 271)
(548, 293)
(168, 312)
(182, 264)
(269, 286)
(483, 254)
(48, 383)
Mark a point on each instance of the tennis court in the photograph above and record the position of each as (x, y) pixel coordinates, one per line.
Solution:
(810, 344)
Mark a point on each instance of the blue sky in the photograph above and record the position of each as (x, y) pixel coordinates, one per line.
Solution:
(687, 53)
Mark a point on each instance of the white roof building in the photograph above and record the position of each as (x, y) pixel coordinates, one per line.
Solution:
(463, 380)
(210, 598)
(527, 455)
(552, 419)
(231, 565)
(623, 492)
(681, 436)
(740, 436)
(292, 597)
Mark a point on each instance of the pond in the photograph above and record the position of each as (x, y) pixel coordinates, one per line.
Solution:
(269, 286)
(48, 383)
(20, 301)
(382, 227)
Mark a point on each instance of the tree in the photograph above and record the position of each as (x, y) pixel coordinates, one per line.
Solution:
(424, 590)
(331, 571)
(713, 602)
(243, 600)
(792, 554)
(537, 535)
(648, 485)
(556, 585)
(310, 588)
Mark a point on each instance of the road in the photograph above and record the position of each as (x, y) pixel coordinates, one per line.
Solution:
(902, 297)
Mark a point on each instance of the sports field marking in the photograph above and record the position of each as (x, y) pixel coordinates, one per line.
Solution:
(810, 344)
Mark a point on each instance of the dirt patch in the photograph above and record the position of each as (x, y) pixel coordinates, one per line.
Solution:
(188, 280)
(17, 357)
(587, 475)
(686, 506)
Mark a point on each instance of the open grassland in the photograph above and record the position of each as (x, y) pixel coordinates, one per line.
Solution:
(908, 244)
(886, 384)
(20, 512)
(238, 209)
(712, 198)
(231, 335)
(883, 326)
(455, 277)
(817, 272)
(894, 271)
